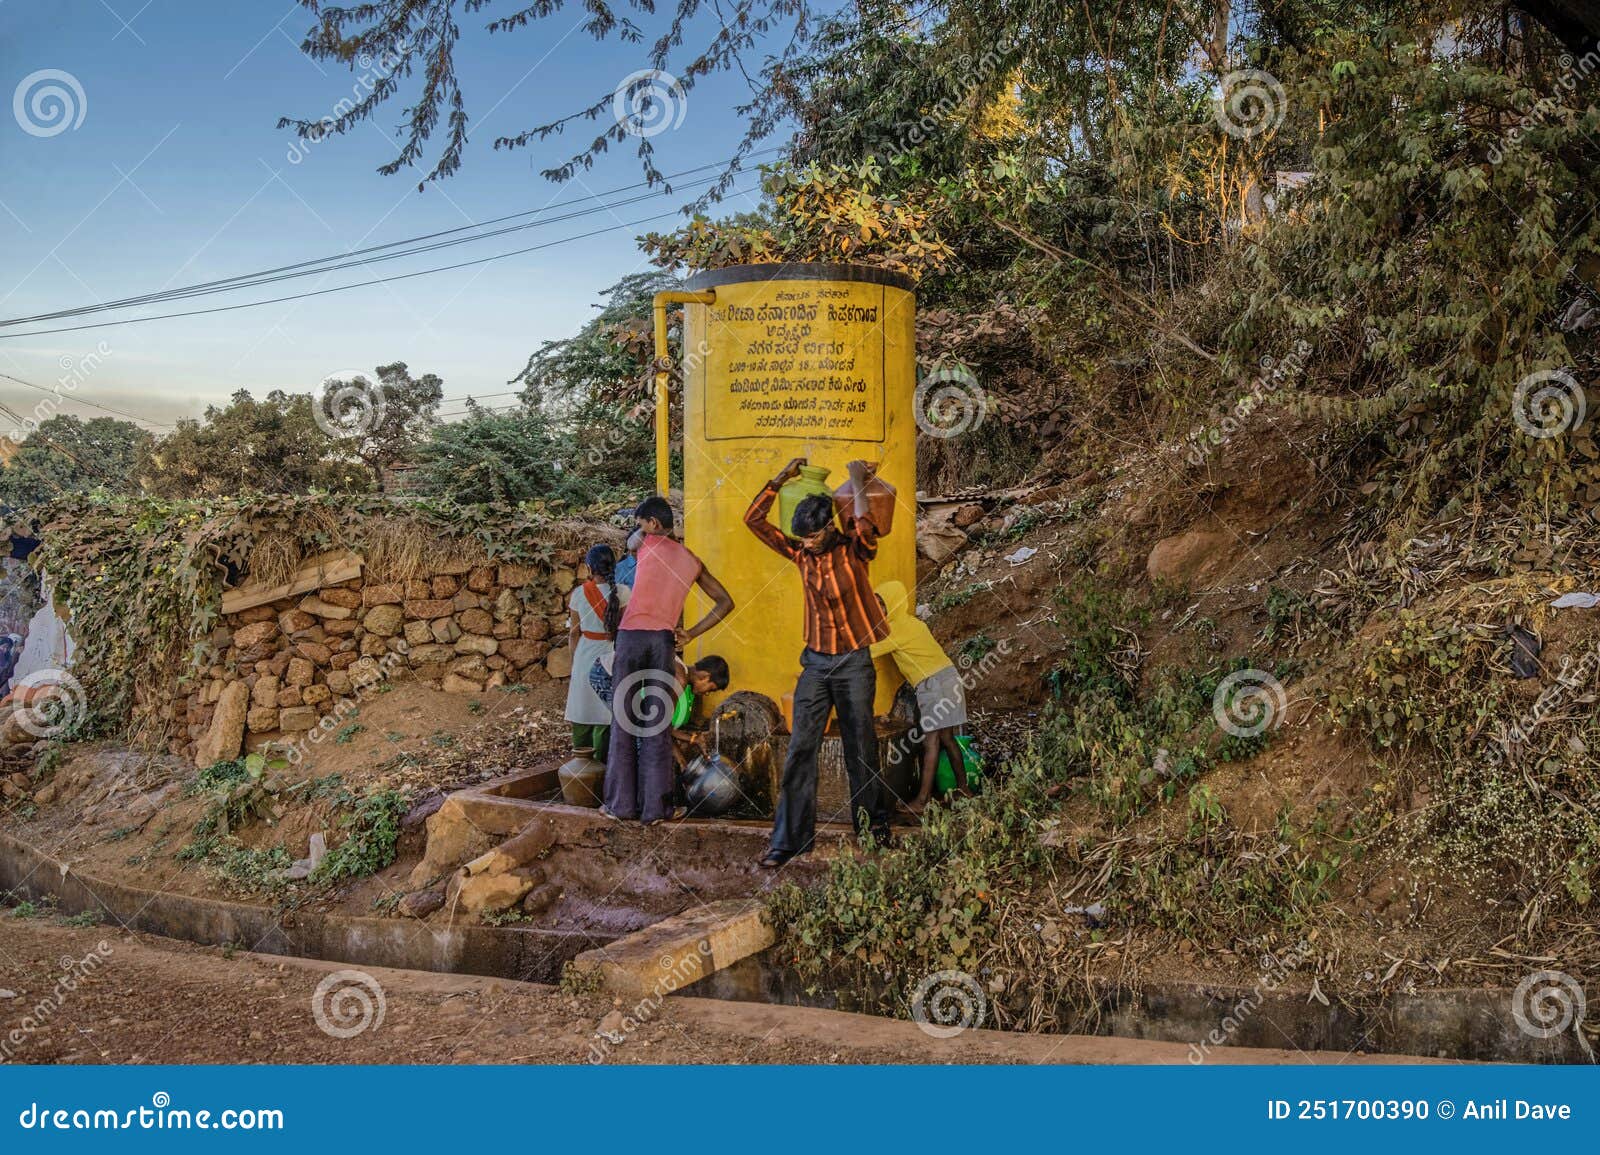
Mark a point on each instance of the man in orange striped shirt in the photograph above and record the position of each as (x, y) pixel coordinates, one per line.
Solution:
(842, 620)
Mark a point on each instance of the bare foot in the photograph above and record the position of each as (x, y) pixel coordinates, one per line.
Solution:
(914, 808)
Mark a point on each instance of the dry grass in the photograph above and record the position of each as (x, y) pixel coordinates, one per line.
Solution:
(398, 549)
(274, 558)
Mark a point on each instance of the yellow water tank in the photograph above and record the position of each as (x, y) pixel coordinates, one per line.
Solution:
(796, 360)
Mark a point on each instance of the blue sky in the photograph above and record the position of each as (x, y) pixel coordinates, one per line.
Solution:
(175, 174)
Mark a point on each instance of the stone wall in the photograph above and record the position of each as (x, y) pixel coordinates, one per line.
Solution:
(283, 667)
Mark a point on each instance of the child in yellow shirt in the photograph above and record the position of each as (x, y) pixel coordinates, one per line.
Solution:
(941, 694)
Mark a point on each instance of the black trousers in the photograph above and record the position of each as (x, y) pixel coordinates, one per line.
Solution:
(845, 684)
(639, 770)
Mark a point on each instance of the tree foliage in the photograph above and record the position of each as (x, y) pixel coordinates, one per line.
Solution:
(66, 455)
(248, 446)
(513, 457)
(398, 412)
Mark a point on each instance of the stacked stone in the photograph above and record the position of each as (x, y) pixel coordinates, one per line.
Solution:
(283, 666)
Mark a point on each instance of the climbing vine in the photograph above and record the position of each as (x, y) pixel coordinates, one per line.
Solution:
(141, 579)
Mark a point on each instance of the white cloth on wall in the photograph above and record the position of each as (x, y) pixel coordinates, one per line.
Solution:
(46, 646)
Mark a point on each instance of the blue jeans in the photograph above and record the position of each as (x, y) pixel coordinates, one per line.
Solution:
(846, 685)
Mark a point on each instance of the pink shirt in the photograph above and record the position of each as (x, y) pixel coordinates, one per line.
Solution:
(660, 585)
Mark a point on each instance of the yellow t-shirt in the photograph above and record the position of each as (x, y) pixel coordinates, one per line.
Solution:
(911, 642)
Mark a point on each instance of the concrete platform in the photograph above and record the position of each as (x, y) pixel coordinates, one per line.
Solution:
(678, 951)
(604, 877)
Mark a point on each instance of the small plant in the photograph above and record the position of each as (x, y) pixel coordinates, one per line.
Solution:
(346, 733)
(1205, 811)
(1166, 594)
(372, 830)
(49, 757)
(239, 795)
(514, 688)
(249, 868)
(950, 599)
(217, 776)
(1025, 521)
(314, 789)
(1288, 614)
(976, 648)
(82, 919)
(580, 983)
(507, 917)
(474, 707)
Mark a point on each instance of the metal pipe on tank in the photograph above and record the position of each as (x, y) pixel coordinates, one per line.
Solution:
(664, 377)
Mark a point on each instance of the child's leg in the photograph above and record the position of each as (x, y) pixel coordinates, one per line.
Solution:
(930, 767)
(946, 740)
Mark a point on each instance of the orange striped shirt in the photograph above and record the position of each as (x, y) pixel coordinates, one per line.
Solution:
(842, 613)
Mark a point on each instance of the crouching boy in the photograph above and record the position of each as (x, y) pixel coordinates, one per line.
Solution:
(941, 694)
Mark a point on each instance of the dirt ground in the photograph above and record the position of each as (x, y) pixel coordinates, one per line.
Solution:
(149, 1000)
(157, 1000)
(413, 738)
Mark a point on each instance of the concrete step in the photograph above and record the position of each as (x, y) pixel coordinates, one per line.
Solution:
(680, 950)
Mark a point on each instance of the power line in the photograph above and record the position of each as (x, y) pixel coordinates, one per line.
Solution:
(250, 281)
(409, 246)
(353, 285)
(83, 401)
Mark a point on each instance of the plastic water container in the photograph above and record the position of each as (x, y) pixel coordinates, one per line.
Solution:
(880, 502)
(813, 480)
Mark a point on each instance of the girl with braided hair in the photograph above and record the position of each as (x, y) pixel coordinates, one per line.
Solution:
(595, 611)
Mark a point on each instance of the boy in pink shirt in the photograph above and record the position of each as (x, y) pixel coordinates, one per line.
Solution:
(639, 773)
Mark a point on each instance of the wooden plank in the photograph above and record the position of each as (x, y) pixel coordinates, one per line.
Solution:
(328, 570)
